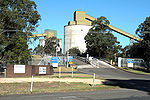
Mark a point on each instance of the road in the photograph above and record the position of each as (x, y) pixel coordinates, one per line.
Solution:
(119, 94)
(133, 87)
(121, 78)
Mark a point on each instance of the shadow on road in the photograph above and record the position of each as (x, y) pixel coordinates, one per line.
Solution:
(141, 85)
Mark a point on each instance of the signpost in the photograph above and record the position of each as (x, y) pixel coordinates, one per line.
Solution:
(93, 79)
(55, 61)
(72, 71)
(59, 72)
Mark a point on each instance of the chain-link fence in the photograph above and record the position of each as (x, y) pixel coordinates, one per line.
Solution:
(46, 60)
(136, 62)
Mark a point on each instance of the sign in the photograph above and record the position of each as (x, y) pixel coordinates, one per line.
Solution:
(42, 70)
(130, 62)
(70, 62)
(55, 64)
(19, 68)
(55, 60)
(70, 58)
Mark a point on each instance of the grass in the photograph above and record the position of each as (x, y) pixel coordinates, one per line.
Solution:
(64, 69)
(68, 75)
(65, 75)
(45, 87)
(137, 71)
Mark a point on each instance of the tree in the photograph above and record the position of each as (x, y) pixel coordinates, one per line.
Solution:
(49, 47)
(143, 47)
(100, 42)
(38, 50)
(74, 51)
(18, 19)
(19, 54)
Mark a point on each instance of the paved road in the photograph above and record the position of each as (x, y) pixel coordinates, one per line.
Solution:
(119, 94)
(121, 78)
(113, 73)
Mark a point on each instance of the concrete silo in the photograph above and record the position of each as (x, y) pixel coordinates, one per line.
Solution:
(76, 30)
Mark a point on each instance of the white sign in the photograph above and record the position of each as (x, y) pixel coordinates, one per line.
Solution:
(19, 68)
(55, 64)
(42, 70)
(130, 62)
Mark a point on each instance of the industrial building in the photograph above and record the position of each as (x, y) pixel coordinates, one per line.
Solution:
(47, 34)
(76, 30)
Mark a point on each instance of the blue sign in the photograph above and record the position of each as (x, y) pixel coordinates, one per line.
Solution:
(55, 60)
(130, 60)
(70, 58)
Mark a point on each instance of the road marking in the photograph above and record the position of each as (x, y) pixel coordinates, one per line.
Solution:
(68, 97)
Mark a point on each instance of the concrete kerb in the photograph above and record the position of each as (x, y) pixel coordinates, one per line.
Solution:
(129, 71)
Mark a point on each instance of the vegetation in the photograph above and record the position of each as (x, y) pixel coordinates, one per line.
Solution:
(143, 48)
(46, 87)
(135, 70)
(140, 49)
(18, 19)
(100, 42)
(50, 47)
(18, 53)
(74, 51)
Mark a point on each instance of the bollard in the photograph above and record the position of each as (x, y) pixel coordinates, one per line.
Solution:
(93, 79)
(31, 84)
(59, 72)
(72, 71)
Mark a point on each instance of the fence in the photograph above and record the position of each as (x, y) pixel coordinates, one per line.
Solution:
(46, 60)
(123, 62)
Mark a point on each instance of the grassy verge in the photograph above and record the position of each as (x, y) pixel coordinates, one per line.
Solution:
(134, 70)
(64, 69)
(50, 87)
(65, 75)
(46, 87)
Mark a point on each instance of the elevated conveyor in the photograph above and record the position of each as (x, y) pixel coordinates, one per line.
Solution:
(81, 18)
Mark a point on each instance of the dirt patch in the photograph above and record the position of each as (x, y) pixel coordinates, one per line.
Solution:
(67, 80)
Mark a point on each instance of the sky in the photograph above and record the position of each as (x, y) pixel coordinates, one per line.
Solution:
(123, 14)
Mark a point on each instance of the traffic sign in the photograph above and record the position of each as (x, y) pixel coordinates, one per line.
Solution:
(55, 60)
(70, 62)
(130, 62)
(70, 58)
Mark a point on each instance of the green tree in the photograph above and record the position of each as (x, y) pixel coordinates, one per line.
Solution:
(19, 54)
(18, 19)
(49, 47)
(143, 47)
(74, 51)
(38, 50)
(100, 42)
